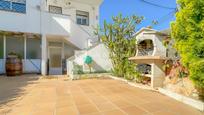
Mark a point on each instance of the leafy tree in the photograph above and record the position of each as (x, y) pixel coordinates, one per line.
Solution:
(188, 32)
(118, 37)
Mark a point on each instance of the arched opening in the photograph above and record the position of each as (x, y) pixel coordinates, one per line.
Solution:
(145, 48)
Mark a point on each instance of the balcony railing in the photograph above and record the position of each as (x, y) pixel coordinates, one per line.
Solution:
(13, 6)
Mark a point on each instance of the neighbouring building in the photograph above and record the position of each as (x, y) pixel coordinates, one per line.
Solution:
(46, 32)
(151, 54)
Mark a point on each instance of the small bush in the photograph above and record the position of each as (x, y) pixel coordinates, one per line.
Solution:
(78, 69)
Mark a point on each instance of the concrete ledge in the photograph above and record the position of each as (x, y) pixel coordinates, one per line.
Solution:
(88, 75)
(132, 84)
(189, 101)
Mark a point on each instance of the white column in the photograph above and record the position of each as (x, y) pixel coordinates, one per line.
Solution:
(44, 55)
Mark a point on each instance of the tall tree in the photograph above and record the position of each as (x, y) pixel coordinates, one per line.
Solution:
(118, 37)
(188, 32)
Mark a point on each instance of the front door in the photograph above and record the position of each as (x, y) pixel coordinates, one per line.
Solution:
(55, 62)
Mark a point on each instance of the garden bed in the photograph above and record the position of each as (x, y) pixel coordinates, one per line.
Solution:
(183, 86)
(182, 89)
(90, 76)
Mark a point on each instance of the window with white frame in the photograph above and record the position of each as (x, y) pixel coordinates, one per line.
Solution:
(82, 18)
(13, 5)
(1, 47)
(55, 9)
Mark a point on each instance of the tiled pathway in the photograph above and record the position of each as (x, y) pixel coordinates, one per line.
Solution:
(85, 97)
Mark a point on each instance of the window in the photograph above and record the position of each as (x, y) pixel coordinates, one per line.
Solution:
(82, 18)
(1, 47)
(55, 9)
(15, 44)
(33, 48)
(15, 6)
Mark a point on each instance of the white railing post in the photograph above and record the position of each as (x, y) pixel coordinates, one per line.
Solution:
(70, 69)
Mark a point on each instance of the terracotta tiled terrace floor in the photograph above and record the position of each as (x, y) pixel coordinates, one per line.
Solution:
(33, 96)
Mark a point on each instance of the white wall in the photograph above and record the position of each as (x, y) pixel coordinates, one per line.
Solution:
(42, 22)
(28, 67)
(80, 5)
(32, 66)
(19, 22)
(100, 56)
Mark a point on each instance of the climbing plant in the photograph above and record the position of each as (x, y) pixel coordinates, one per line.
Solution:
(119, 37)
(188, 32)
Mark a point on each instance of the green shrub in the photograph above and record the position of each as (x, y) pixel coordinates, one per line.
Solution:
(188, 32)
(77, 69)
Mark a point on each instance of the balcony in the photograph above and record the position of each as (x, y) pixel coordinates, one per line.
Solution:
(56, 24)
(66, 27)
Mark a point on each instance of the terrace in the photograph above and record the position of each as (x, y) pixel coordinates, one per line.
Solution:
(104, 96)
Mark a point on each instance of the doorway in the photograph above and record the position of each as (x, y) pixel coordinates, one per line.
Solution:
(55, 61)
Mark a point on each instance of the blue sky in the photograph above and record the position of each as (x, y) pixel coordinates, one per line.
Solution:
(164, 16)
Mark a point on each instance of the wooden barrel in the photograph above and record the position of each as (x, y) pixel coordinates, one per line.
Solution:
(13, 67)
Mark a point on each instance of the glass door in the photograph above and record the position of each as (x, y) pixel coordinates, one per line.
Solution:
(55, 63)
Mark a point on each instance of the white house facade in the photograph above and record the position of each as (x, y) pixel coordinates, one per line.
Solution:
(46, 32)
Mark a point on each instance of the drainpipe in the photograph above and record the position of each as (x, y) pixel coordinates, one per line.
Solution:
(25, 47)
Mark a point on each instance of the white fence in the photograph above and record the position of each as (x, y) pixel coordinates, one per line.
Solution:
(29, 66)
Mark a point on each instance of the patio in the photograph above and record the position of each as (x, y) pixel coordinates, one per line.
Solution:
(28, 95)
